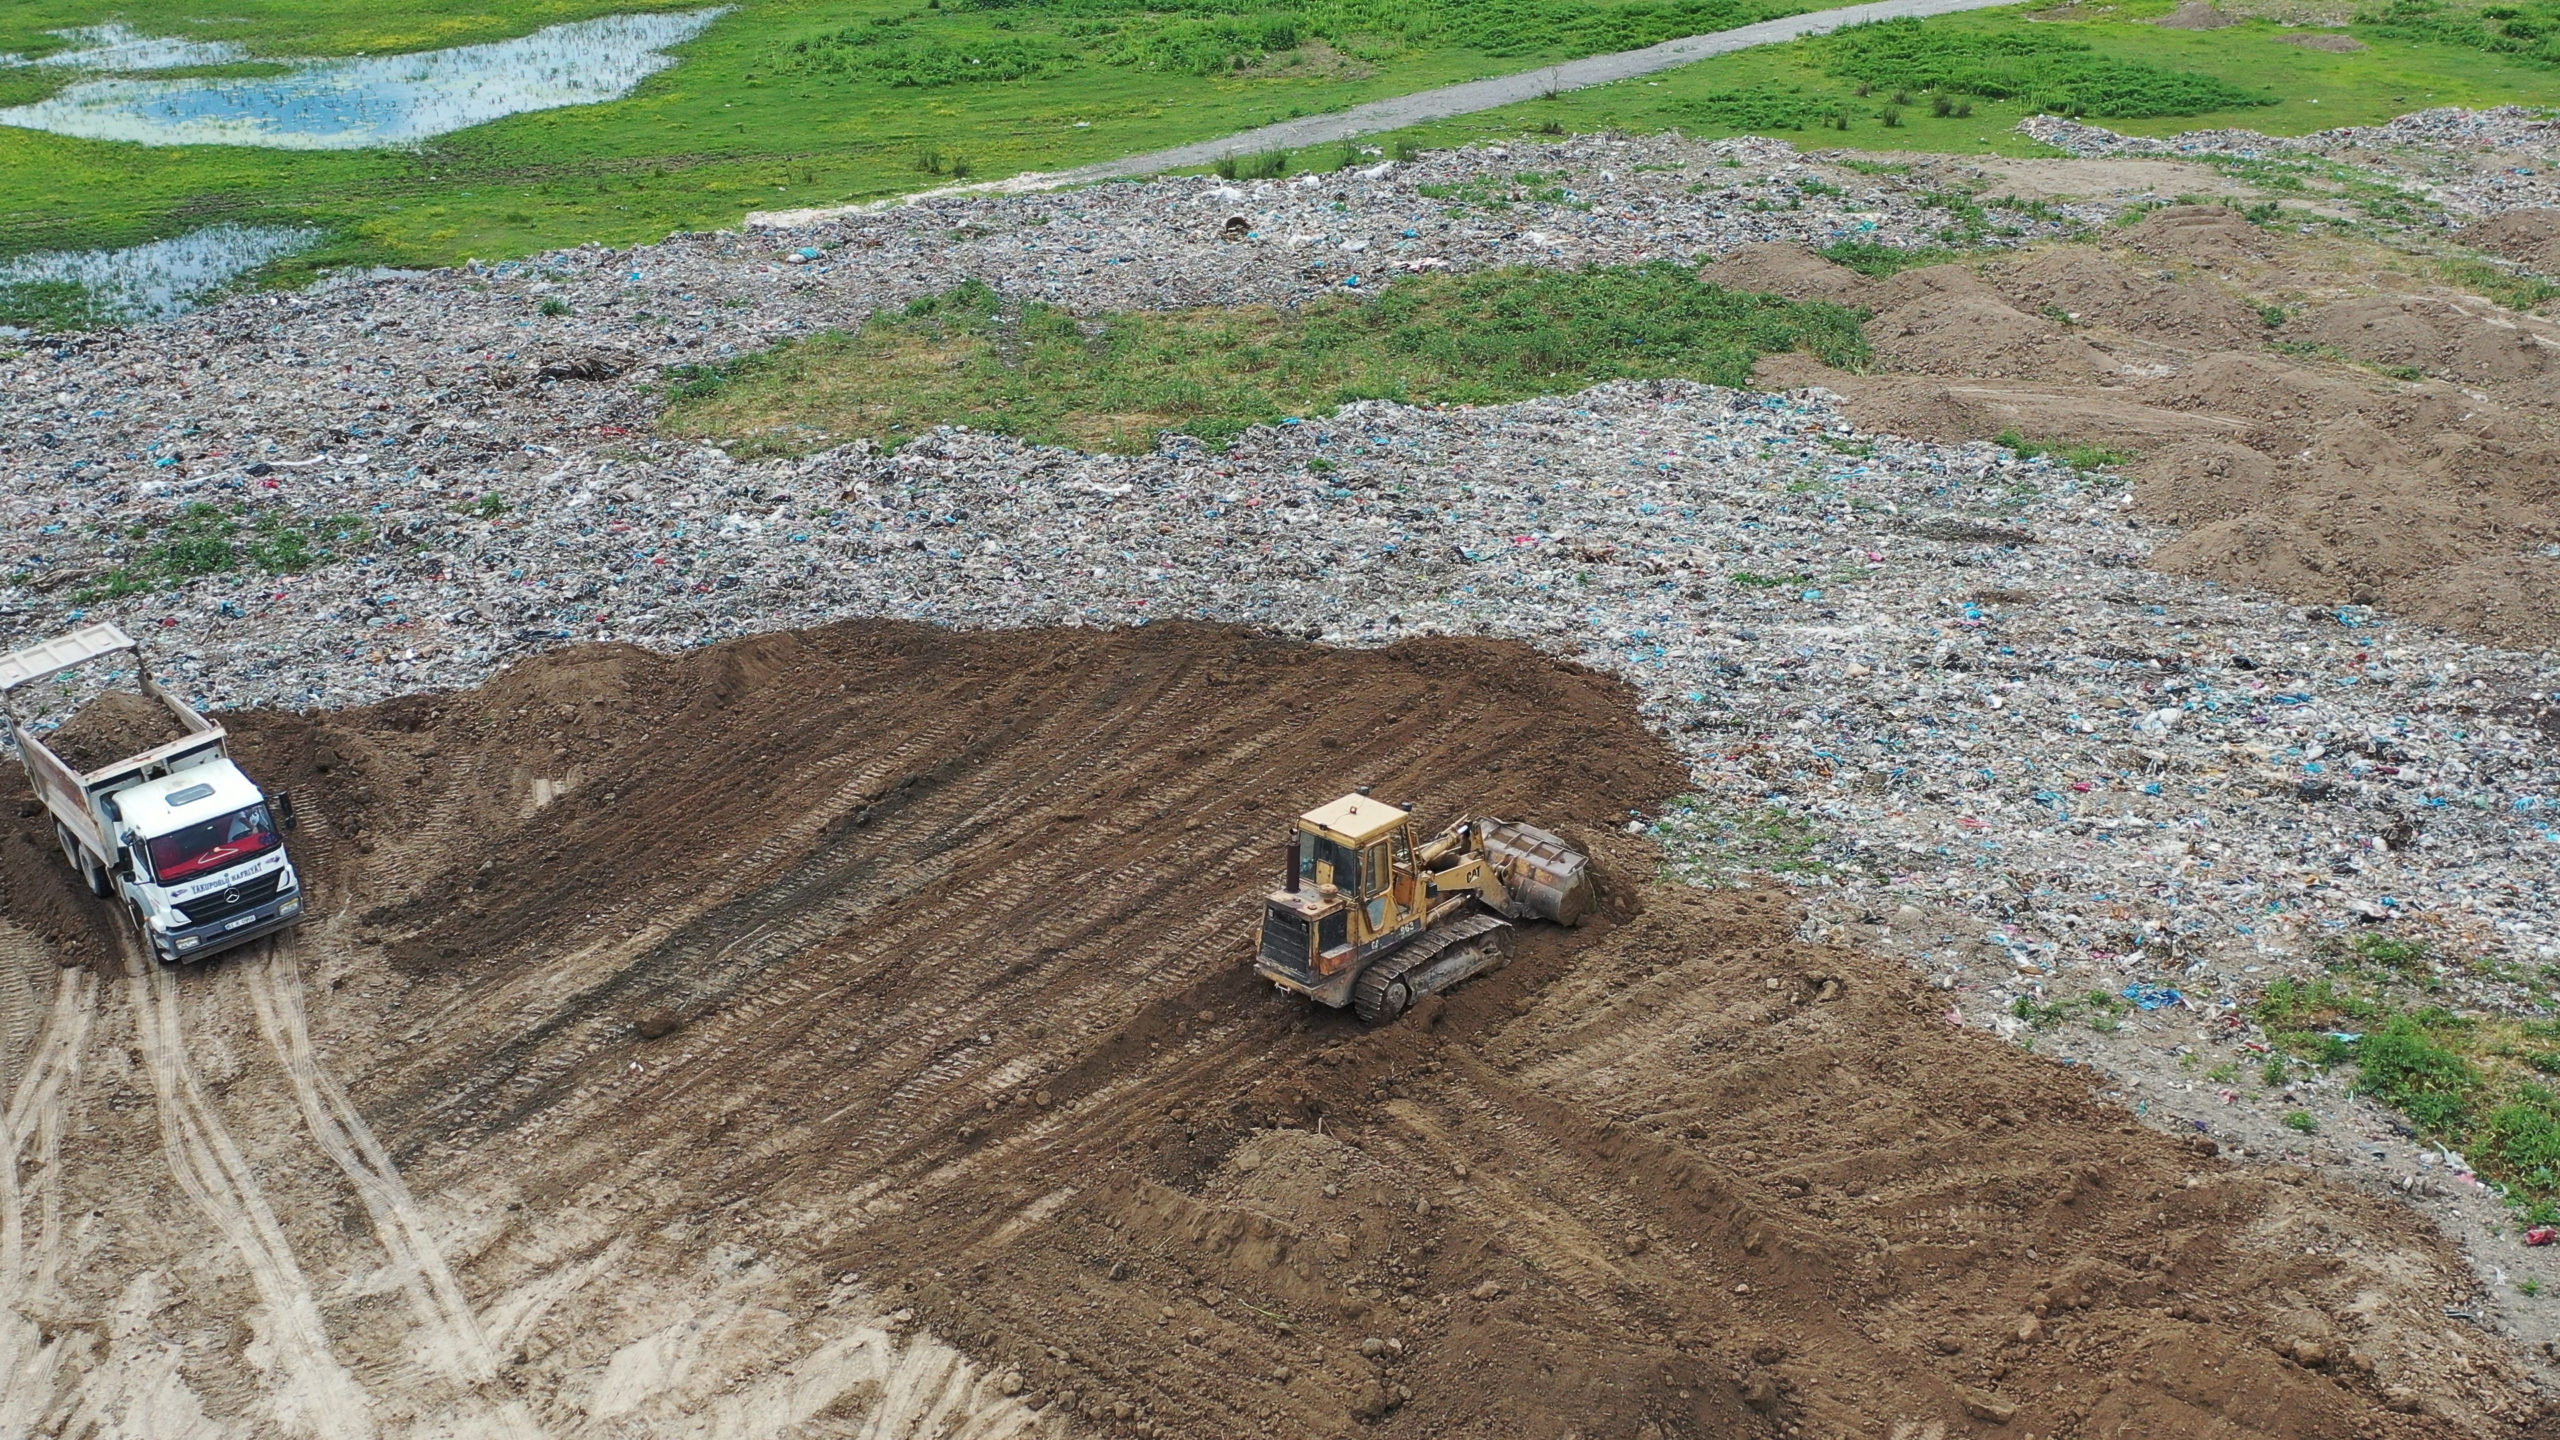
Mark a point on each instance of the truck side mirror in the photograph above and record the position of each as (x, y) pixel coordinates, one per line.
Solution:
(284, 809)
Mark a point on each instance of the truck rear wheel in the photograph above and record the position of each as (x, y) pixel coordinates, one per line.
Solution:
(92, 874)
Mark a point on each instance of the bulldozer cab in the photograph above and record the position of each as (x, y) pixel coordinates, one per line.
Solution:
(1364, 849)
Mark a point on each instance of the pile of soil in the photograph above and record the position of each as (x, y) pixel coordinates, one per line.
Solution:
(885, 953)
(2531, 238)
(2196, 15)
(116, 724)
(2393, 447)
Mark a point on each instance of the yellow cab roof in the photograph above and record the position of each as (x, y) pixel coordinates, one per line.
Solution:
(1354, 820)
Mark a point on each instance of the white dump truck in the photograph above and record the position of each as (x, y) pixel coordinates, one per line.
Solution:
(189, 842)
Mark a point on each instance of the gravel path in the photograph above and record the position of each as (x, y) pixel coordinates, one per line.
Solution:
(1444, 103)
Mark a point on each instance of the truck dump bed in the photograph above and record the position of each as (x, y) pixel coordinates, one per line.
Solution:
(66, 784)
(112, 727)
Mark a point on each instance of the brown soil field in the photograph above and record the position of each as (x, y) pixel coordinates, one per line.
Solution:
(849, 1033)
(2317, 420)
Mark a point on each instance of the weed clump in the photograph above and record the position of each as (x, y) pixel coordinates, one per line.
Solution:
(208, 539)
(2078, 454)
(1268, 165)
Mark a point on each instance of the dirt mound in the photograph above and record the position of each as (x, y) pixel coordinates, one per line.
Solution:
(2205, 234)
(2398, 450)
(2195, 15)
(1788, 270)
(2332, 42)
(1944, 320)
(2472, 341)
(116, 724)
(2529, 237)
(2092, 290)
(884, 958)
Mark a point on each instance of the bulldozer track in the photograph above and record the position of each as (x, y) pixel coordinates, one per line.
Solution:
(1381, 993)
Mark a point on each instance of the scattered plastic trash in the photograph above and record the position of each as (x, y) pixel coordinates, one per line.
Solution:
(2152, 997)
(2542, 1234)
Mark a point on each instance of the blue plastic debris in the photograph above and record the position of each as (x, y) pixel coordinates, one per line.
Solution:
(2152, 997)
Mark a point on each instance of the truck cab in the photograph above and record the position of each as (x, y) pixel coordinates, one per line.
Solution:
(202, 860)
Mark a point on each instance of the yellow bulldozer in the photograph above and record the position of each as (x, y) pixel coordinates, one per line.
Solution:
(1374, 917)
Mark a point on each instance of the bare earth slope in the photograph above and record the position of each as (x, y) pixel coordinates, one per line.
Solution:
(849, 1028)
(2319, 424)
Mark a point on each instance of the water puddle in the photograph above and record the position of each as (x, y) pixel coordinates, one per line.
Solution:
(143, 282)
(122, 48)
(363, 101)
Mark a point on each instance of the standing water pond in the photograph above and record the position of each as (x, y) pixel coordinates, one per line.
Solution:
(140, 282)
(360, 101)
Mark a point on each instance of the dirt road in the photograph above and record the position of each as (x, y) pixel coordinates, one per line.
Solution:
(845, 1032)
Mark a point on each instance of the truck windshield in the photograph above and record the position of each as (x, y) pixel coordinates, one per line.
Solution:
(213, 844)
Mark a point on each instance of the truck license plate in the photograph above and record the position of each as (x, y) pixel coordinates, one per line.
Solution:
(243, 920)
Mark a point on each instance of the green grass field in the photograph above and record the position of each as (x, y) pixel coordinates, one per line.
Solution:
(781, 104)
(969, 357)
(791, 103)
(1755, 91)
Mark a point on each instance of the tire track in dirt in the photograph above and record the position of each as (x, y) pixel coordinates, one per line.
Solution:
(310, 1390)
(33, 1241)
(454, 1341)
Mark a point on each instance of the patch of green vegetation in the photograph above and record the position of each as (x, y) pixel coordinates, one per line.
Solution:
(2301, 1120)
(2047, 67)
(2468, 1081)
(2514, 290)
(1869, 257)
(206, 539)
(1706, 843)
(1500, 192)
(2525, 29)
(969, 356)
(2077, 454)
(2312, 89)
(52, 305)
(1269, 165)
(2101, 1010)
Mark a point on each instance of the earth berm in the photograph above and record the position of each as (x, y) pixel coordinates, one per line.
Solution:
(848, 1027)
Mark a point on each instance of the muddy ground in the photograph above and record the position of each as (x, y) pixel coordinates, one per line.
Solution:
(847, 1032)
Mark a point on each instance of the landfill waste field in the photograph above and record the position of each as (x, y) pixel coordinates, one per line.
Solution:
(2067, 768)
